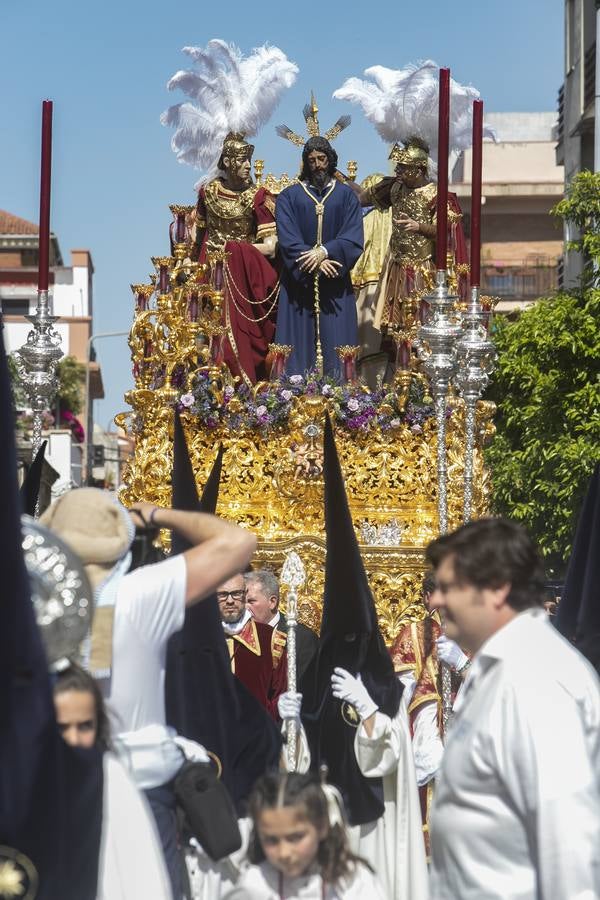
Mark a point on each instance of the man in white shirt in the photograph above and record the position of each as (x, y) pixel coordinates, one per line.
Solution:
(138, 613)
(517, 806)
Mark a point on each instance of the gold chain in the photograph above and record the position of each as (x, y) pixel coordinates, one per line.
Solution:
(228, 275)
(242, 313)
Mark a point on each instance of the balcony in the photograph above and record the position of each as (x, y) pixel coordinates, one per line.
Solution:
(560, 128)
(514, 280)
(589, 77)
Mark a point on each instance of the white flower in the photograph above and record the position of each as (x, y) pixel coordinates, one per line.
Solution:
(416, 429)
(187, 400)
(353, 404)
(287, 395)
(228, 392)
(261, 410)
(395, 423)
(326, 390)
(296, 379)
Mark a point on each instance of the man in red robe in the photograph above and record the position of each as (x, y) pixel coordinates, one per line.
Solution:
(257, 651)
(238, 216)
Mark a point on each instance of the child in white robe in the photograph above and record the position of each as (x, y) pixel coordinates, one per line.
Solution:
(298, 847)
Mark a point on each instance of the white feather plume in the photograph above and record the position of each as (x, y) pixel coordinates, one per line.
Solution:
(403, 103)
(227, 92)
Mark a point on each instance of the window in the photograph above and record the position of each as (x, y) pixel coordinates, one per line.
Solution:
(15, 306)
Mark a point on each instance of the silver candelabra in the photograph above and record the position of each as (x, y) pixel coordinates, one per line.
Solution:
(37, 361)
(476, 358)
(436, 345)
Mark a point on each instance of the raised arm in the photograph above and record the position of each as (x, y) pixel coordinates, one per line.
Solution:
(219, 549)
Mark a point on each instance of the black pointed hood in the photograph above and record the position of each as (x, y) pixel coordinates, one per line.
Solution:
(30, 489)
(578, 615)
(350, 638)
(50, 794)
(204, 699)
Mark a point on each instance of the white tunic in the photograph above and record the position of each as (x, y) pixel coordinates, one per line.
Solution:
(263, 883)
(131, 863)
(393, 844)
(516, 811)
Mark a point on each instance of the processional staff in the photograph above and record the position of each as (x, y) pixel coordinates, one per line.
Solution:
(293, 575)
(438, 337)
(37, 359)
(476, 353)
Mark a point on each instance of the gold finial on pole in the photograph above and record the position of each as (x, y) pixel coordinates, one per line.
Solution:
(259, 167)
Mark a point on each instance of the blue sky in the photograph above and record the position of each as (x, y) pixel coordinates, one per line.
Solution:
(105, 65)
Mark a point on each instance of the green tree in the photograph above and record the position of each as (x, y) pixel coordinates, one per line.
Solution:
(547, 388)
(581, 207)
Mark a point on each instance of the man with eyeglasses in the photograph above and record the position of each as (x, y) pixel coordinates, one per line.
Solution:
(516, 811)
(257, 651)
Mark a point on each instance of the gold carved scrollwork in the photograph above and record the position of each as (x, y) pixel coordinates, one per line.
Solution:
(388, 475)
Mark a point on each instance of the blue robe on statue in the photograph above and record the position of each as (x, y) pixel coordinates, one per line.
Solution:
(296, 218)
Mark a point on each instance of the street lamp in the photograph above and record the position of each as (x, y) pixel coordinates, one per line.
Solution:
(89, 442)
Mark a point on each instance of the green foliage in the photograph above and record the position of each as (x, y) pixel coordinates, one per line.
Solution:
(71, 377)
(547, 387)
(581, 207)
(18, 391)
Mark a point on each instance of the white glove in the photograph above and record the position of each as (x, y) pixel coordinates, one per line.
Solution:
(450, 653)
(346, 687)
(427, 744)
(192, 750)
(289, 705)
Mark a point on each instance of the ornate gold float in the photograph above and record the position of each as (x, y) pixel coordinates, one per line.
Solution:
(272, 469)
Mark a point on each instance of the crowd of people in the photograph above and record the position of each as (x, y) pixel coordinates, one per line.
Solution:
(513, 781)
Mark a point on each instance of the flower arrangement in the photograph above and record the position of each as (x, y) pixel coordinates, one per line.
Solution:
(269, 405)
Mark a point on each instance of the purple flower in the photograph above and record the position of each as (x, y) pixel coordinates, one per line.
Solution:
(353, 404)
(228, 392)
(187, 400)
(416, 429)
(261, 411)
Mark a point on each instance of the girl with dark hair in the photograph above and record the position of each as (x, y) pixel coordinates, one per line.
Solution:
(130, 862)
(80, 712)
(298, 846)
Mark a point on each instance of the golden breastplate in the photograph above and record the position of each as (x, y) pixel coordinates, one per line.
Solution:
(409, 246)
(229, 214)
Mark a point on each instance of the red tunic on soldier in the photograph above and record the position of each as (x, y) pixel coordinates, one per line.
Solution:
(237, 216)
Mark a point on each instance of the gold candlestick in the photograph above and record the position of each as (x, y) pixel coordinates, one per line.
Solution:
(142, 293)
(259, 167)
(347, 355)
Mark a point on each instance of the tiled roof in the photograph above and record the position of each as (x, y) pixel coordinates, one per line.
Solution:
(10, 224)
